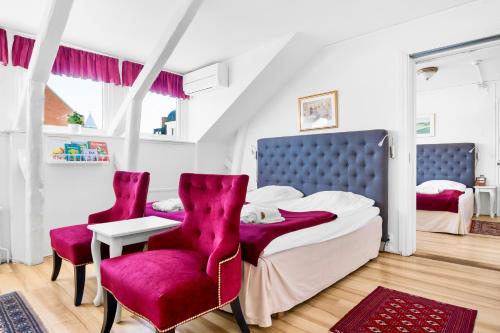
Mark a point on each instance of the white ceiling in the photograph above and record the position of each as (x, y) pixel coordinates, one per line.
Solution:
(221, 29)
(457, 69)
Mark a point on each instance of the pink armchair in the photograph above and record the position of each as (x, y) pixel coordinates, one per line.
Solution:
(187, 271)
(73, 243)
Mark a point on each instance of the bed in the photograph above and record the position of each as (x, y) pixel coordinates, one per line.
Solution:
(349, 161)
(284, 275)
(451, 162)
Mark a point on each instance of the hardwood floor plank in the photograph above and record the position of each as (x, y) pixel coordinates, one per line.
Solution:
(443, 281)
(472, 250)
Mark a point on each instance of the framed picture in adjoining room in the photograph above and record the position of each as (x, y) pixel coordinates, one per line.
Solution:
(319, 111)
(425, 125)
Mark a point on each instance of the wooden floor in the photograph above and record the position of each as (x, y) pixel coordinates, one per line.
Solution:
(487, 218)
(448, 282)
(471, 249)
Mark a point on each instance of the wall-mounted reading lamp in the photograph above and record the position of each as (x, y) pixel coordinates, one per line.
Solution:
(477, 153)
(253, 149)
(390, 142)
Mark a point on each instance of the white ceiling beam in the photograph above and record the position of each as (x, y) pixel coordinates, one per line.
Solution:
(42, 58)
(155, 63)
(47, 40)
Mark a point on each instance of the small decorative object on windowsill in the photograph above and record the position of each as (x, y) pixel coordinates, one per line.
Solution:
(75, 122)
(480, 181)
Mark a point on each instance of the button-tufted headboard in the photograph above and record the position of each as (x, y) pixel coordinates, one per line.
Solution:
(449, 161)
(348, 161)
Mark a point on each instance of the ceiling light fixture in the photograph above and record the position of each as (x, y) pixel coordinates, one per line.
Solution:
(427, 72)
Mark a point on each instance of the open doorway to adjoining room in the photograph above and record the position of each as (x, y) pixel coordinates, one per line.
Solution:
(457, 134)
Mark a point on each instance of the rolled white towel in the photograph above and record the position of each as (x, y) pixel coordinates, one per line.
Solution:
(169, 205)
(252, 213)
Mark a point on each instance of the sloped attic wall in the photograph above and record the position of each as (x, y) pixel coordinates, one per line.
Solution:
(254, 77)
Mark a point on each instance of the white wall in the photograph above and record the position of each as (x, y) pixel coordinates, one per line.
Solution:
(464, 114)
(368, 73)
(4, 192)
(72, 192)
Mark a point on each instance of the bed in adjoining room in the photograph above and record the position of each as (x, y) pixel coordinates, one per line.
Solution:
(445, 181)
(341, 174)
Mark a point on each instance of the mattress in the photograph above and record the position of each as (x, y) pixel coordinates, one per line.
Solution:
(323, 232)
(448, 222)
(283, 280)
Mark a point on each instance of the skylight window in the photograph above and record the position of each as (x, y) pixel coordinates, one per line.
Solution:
(64, 95)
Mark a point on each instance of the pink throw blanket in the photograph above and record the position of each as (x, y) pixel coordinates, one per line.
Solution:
(255, 237)
(446, 201)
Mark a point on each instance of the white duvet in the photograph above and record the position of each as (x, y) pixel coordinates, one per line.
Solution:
(354, 212)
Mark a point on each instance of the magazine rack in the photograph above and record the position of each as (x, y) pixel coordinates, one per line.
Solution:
(65, 150)
(77, 159)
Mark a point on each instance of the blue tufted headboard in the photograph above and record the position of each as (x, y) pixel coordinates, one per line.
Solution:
(448, 161)
(348, 161)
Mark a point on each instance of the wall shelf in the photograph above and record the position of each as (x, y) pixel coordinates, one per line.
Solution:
(78, 159)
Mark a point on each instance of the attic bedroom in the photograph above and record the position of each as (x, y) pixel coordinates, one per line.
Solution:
(249, 166)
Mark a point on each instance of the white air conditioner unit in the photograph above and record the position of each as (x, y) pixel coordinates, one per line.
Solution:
(206, 79)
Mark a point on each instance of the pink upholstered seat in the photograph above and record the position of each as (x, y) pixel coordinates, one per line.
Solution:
(73, 243)
(187, 271)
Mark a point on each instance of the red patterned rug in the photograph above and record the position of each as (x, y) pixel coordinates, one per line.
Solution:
(391, 311)
(485, 228)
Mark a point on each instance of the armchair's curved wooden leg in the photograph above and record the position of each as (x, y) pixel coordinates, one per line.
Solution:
(110, 304)
(79, 283)
(238, 314)
(56, 265)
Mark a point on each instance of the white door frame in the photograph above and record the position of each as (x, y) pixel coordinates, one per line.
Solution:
(407, 240)
(407, 217)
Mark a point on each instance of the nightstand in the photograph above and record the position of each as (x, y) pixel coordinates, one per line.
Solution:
(492, 191)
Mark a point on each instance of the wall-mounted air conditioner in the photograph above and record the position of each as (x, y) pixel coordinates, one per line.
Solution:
(206, 79)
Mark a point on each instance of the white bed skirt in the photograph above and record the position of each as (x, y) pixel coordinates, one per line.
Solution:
(285, 279)
(448, 222)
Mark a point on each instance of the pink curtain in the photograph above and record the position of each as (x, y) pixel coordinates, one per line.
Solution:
(4, 52)
(21, 51)
(70, 62)
(165, 84)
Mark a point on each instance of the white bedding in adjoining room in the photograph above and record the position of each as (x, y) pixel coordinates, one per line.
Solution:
(448, 222)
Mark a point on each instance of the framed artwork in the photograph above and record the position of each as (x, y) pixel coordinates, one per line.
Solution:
(318, 111)
(425, 125)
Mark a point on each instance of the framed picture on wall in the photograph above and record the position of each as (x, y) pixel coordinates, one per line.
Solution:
(425, 125)
(318, 111)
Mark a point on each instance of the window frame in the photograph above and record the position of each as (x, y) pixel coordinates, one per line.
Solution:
(105, 94)
(110, 96)
(180, 109)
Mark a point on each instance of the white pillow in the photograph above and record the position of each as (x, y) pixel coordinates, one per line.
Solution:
(273, 193)
(441, 185)
(337, 202)
(427, 189)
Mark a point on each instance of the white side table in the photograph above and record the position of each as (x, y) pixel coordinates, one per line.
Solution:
(119, 234)
(492, 191)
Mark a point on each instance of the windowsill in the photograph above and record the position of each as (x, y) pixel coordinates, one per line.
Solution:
(100, 134)
(64, 132)
(163, 138)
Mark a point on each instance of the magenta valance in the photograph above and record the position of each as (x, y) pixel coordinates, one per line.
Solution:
(165, 84)
(21, 51)
(4, 48)
(70, 62)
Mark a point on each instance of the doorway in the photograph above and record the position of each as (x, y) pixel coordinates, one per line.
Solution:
(453, 103)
